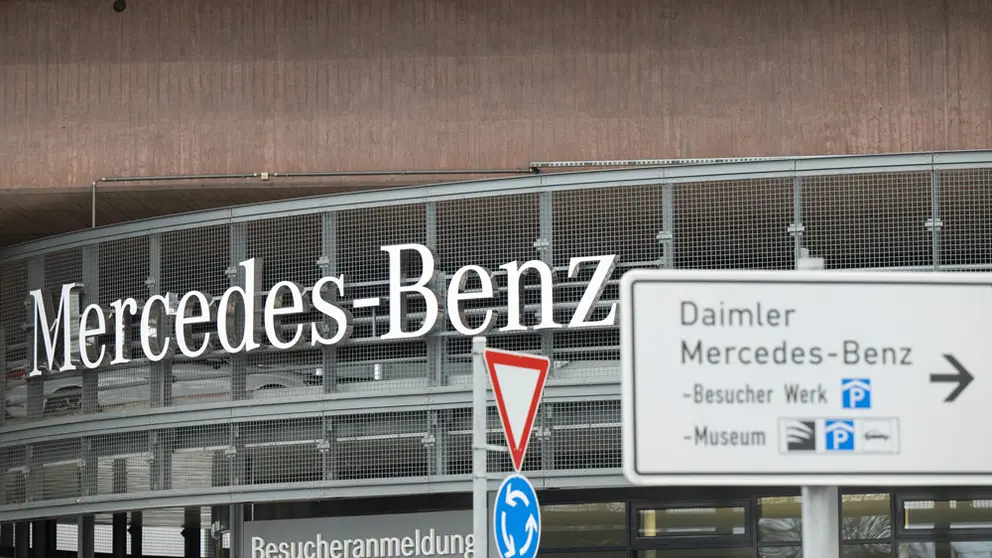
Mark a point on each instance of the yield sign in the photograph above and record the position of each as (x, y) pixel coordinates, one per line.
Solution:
(518, 383)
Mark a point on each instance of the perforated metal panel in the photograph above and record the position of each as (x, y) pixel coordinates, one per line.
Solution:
(387, 415)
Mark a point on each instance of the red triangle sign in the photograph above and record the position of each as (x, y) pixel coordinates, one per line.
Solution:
(518, 384)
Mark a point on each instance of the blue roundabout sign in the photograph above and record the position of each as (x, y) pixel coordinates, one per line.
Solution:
(517, 518)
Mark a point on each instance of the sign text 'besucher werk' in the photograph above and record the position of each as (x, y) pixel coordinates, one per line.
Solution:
(62, 328)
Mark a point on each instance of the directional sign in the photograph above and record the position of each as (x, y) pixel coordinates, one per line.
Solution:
(806, 377)
(516, 518)
(518, 384)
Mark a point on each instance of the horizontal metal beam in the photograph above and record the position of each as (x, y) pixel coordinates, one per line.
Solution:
(289, 407)
(501, 186)
(243, 494)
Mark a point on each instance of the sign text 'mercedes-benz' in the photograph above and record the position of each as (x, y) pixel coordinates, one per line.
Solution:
(66, 336)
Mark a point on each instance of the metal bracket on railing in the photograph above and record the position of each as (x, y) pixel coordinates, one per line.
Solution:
(933, 224)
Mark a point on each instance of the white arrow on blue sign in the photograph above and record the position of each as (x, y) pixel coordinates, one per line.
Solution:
(517, 518)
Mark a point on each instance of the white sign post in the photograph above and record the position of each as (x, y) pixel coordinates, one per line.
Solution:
(814, 379)
(480, 447)
(820, 504)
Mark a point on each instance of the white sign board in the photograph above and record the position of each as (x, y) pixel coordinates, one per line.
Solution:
(806, 377)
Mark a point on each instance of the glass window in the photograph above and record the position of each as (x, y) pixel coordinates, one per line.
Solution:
(589, 554)
(870, 550)
(780, 520)
(584, 525)
(946, 515)
(726, 521)
(697, 553)
(970, 549)
(780, 552)
(866, 517)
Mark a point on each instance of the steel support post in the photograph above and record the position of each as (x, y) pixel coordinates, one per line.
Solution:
(161, 442)
(43, 538)
(160, 390)
(6, 537)
(118, 483)
(34, 483)
(236, 529)
(22, 539)
(934, 224)
(118, 537)
(328, 449)
(86, 537)
(136, 530)
(91, 279)
(820, 504)
(437, 442)
(192, 533)
(796, 228)
(546, 420)
(666, 236)
(238, 278)
(3, 388)
(328, 264)
(435, 342)
(480, 503)
(545, 249)
(35, 385)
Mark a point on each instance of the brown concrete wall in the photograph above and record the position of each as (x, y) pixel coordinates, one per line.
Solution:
(202, 86)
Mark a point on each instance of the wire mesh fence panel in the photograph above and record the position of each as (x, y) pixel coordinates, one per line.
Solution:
(598, 234)
(380, 445)
(483, 243)
(58, 466)
(876, 221)
(15, 469)
(285, 451)
(733, 224)
(586, 434)
(287, 250)
(116, 271)
(384, 351)
(965, 238)
(200, 457)
(195, 260)
(13, 340)
(124, 463)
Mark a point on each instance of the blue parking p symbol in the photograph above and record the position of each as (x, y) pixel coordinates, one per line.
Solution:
(856, 393)
(839, 435)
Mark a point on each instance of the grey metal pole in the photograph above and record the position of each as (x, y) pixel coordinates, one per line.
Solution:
(820, 504)
(480, 444)
(821, 522)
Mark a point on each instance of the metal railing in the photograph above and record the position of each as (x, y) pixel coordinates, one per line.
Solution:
(379, 415)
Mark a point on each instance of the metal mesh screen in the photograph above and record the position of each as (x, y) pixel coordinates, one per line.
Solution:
(966, 220)
(733, 224)
(367, 362)
(869, 220)
(489, 232)
(13, 348)
(378, 410)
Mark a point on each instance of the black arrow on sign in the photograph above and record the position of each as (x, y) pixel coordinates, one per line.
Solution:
(963, 378)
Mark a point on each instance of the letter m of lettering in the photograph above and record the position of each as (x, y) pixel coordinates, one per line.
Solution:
(57, 332)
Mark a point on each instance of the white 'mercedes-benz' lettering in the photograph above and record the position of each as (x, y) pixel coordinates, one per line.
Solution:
(397, 291)
(340, 316)
(91, 352)
(65, 336)
(455, 295)
(272, 312)
(183, 322)
(121, 322)
(419, 544)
